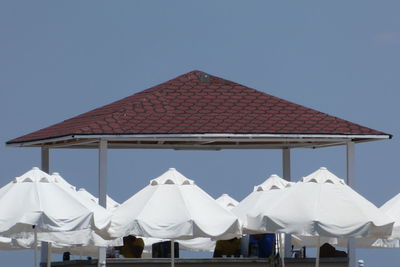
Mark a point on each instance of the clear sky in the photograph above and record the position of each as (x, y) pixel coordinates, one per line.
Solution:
(62, 58)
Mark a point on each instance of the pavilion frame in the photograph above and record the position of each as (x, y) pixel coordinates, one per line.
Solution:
(285, 142)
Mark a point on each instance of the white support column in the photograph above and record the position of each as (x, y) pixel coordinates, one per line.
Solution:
(351, 245)
(103, 173)
(45, 166)
(286, 164)
(102, 191)
(45, 159)
(286, 171)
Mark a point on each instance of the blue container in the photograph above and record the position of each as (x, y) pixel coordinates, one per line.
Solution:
(262, 246)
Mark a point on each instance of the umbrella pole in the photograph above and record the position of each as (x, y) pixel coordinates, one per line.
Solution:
(172, 253)
(318, 248)
(49, 255)
(80, 254)
(34, 245)
(282, 245)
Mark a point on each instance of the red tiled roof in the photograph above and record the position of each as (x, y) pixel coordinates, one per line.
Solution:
(198, 103)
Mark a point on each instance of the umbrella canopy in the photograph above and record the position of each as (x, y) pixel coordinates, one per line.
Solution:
(94, 241)
(111, 203)
(7, 243)
(226, 201)
(263, 194)
(199, 243)
(173, 207)
(320, 204)
(392, 209)
(38, 199)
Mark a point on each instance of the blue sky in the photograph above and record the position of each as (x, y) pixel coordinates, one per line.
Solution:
(62, 58)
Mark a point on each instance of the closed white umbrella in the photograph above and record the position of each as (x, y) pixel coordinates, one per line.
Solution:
(173, 207)
(320, 205)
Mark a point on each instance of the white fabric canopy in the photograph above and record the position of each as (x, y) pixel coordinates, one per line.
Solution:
(38, 199)
(263, 194)
(7, 243)
(111, 203)
(320, 204)
(89, 241)
(173, 207)
(227, 202)
(100, 217)
(200, 243)
(392, 209)
(196, 244)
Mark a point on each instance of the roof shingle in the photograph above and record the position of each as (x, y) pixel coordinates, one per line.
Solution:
(198, 103)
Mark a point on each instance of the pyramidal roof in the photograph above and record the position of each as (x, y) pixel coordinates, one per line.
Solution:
(199, 103)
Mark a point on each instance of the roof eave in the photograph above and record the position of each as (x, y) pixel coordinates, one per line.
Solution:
(278, 140)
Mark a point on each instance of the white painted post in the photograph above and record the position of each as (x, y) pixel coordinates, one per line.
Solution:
(286, 164)
(45, 159)
(287, 176)
(45, 166)
(102, 191)
(49, 254)
(103, 173)
(351, 245)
